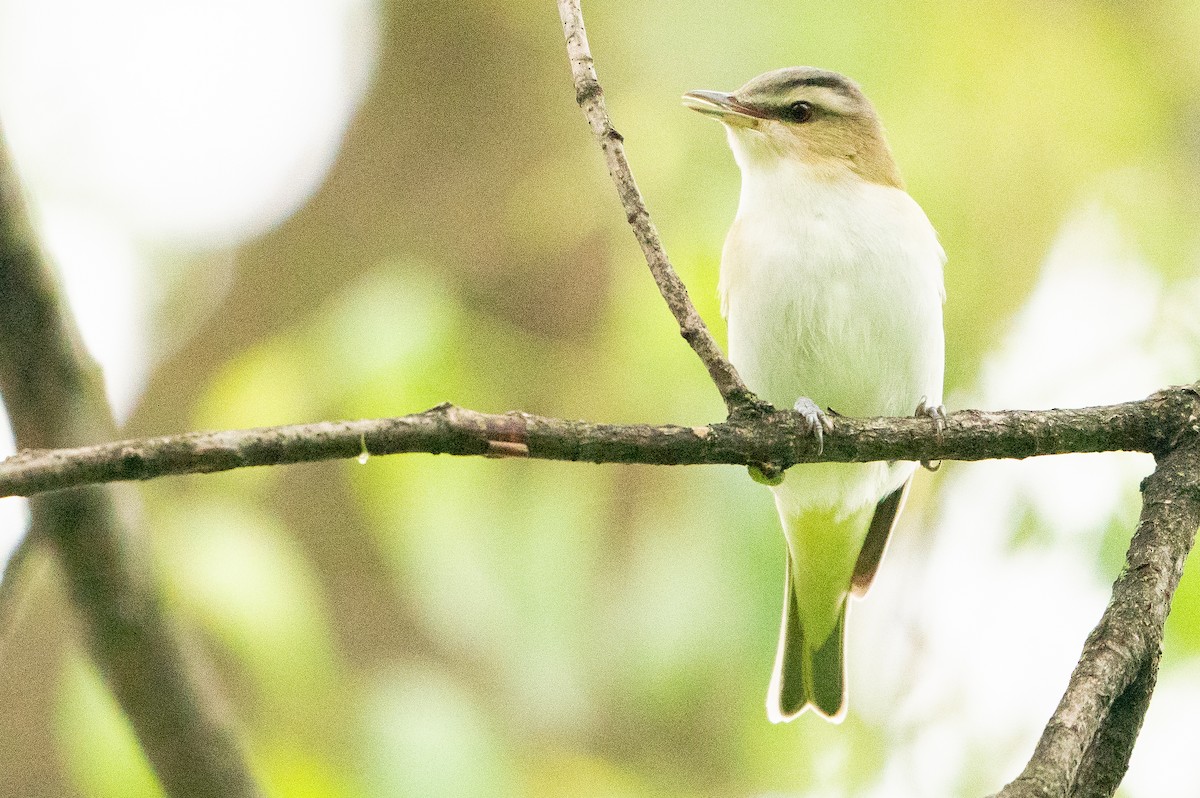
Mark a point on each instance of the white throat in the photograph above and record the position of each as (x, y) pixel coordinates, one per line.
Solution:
(774, 182)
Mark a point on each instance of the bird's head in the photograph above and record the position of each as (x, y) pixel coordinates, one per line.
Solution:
(806, 114)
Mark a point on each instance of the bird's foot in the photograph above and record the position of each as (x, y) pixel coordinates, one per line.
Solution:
(815, 421)
(937, 414)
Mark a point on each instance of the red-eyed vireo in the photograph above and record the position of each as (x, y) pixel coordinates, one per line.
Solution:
(831, 281)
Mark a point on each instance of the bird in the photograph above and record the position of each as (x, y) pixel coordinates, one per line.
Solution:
(832, 288)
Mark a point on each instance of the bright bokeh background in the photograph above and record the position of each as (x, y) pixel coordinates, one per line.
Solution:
(272, 212)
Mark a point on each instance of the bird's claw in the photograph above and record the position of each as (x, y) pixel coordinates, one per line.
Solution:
(815, 421)
(937, 414)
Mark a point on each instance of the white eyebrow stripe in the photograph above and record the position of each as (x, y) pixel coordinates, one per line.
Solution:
(831, 99)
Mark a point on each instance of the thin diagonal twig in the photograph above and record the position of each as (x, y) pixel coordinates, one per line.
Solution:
(738, 398)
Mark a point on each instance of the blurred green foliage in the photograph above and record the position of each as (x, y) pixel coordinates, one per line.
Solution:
(422, 626)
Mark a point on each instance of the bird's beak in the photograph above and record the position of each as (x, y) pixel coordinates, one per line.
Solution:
(725, 107)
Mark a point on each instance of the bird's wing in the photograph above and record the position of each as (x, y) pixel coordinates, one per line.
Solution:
(882, 524)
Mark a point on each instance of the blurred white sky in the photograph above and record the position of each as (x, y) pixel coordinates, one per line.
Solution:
(144, 130)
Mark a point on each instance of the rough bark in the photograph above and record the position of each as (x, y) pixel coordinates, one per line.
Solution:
(778, 440)
(1086, 744)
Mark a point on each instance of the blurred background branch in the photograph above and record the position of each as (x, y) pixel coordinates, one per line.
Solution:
(53, 396)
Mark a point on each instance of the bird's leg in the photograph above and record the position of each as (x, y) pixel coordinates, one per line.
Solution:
(815, 421)
(937, 414)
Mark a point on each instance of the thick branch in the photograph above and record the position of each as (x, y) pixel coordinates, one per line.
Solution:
(1107, 758)
(1149, 425)
(1091, 734)
(738, 398)
(53, 399)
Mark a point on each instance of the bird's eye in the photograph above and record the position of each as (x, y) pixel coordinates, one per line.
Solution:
(800, 111)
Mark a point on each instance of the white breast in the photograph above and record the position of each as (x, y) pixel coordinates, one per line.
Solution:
(833, 290)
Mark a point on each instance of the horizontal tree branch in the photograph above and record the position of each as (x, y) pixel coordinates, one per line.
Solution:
(777, 441)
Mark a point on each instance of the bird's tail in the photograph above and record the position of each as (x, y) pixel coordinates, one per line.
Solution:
(809, 673)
